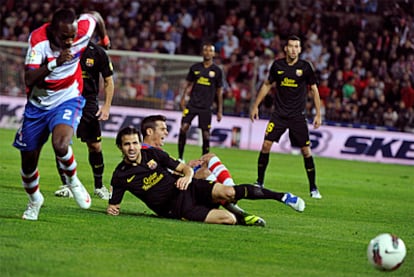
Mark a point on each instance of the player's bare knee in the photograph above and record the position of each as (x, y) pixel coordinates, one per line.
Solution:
(95, 147)
(217, 216)
(266, 146)
(202, 173)
(222, 192)
(207, 157)
(60, 148)
(306, 151)
(184, 127)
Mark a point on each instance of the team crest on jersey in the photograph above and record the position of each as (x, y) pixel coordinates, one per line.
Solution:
(152, 164)
(299, 72)
(89, 62)
(211, 74)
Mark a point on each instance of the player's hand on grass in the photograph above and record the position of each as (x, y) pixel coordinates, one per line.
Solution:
(112, 210)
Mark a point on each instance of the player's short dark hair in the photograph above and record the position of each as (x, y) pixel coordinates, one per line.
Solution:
(150, 122)
(294, 37)
(130, 130)
(66, 16)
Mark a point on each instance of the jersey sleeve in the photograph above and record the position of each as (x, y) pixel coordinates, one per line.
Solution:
(272, 73)
(106, 66)
(311, 79)
(190, 76)
(86, 25)
(219, 79)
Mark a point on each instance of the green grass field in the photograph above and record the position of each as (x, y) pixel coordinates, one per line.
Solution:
(360, 201)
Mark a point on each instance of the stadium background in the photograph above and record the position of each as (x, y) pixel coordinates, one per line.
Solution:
(362, 52)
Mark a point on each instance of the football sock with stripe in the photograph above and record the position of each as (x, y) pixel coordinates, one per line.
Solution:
(220, 171)
(30, 183)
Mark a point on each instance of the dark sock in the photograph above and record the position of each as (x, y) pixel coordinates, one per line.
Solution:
(310, 171)
(262, 163)
(206, 146)
(254, 192)
(182, 137)
(237, 211)
(97, 164)
(61, 173)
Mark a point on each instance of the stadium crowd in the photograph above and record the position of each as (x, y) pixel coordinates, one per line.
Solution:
(362, 51)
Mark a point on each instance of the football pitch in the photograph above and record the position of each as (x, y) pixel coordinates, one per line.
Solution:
(330, 238)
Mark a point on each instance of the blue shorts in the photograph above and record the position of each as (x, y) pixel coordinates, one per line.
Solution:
(39, 123)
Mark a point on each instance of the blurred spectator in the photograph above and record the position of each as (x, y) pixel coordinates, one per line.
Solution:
(12, 88)
(128, 91)
(390, 117)
(166, 95)
(194, 35)
(229, 102)
(147, 75)
(324, 91)
(371, 40)
(348, 89)
(407, 94)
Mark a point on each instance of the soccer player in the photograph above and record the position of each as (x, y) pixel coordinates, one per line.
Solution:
(94, 63)
(292, 77)
(204, 82)
(209, 167)
(146, 174)
(53, 79)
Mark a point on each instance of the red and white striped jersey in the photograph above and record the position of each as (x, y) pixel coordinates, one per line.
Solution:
(65, 81)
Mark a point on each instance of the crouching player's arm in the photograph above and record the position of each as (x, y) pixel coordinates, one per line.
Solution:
(113, 209)
(183, 182)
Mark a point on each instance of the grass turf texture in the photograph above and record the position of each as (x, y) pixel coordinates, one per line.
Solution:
(360, 201)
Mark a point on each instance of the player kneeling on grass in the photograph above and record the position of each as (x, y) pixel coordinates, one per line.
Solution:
(145, 173)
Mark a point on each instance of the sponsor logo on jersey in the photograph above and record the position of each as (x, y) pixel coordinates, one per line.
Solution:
(280, 72)
(152, 180)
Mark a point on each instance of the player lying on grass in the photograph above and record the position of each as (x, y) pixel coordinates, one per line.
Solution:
(209, 167)
(145, 173)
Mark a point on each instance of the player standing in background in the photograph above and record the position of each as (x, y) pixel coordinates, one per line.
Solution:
(53, 79)
(146, 173)
(209, 167)
(292, 77)
(204, 83)
(94, 62)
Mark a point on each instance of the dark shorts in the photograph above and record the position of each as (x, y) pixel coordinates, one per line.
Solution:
(298, 130)
(89, 130)
(195, 203)
(204, 117)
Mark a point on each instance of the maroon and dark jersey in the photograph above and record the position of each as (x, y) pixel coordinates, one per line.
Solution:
(150, 181)
(94, 62)
(292, 83)
(206, 82)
